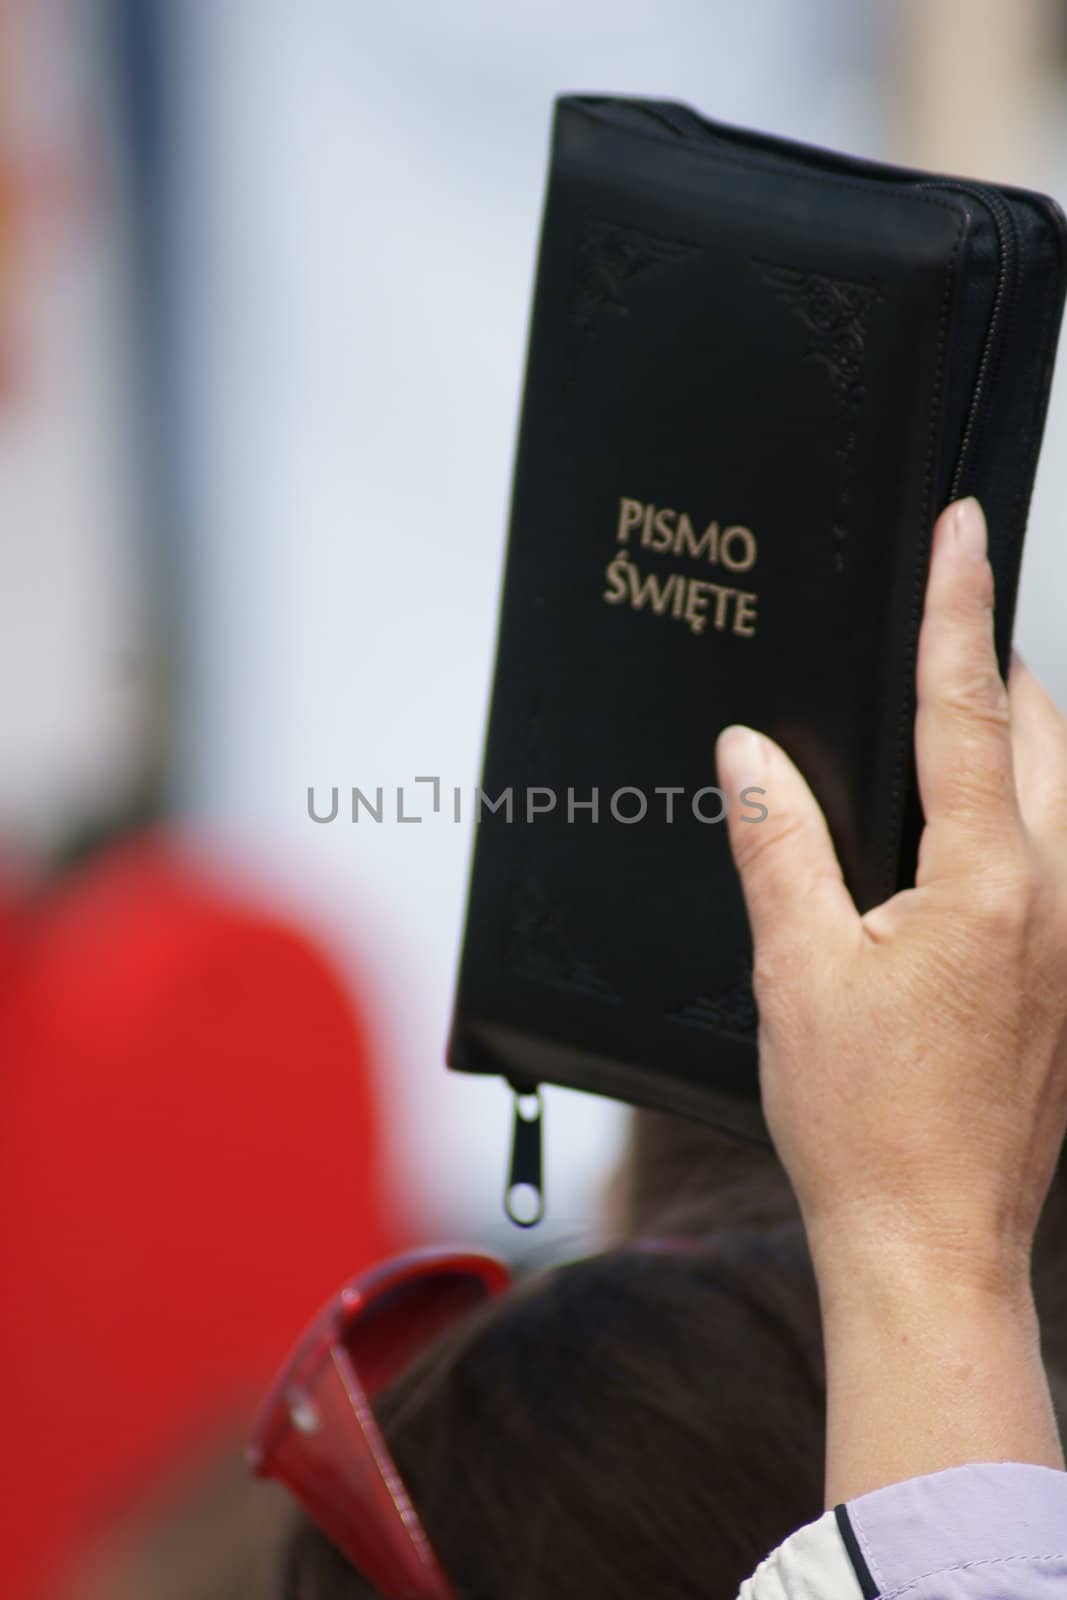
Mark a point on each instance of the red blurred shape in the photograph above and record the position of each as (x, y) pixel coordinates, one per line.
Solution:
(190, 1160)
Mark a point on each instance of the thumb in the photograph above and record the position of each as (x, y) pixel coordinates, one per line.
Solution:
(789, 869)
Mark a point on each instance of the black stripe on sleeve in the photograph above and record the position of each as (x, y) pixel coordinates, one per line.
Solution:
(868, 1587)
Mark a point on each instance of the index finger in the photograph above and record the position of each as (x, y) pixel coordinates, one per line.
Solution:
(963, 745)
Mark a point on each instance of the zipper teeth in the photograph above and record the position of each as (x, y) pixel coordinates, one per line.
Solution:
(1005, 226)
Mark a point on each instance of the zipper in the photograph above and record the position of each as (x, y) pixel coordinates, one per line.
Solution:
(1008, 245)
(524, 1197)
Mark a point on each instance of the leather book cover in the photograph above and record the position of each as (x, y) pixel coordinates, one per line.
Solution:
(756, 372)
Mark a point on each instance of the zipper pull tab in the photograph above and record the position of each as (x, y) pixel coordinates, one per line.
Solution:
(524, 1199)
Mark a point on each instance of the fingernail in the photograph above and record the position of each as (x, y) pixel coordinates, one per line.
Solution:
(741, 753)
(969, 529)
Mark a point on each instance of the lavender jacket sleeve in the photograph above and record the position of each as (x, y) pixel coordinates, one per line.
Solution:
(996, 1532)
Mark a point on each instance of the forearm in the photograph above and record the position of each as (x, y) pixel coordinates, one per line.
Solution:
(926, 1372)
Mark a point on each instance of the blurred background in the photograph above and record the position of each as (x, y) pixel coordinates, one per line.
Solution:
(264, 280)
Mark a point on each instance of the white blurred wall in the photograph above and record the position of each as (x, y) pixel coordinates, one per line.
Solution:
(73, 698)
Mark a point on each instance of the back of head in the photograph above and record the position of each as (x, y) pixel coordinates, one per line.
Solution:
(644, 1422)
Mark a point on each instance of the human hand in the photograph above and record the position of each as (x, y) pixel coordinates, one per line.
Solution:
(912, 1060)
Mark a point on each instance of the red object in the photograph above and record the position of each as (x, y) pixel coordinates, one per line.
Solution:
(317, 1434)
(190, 1157)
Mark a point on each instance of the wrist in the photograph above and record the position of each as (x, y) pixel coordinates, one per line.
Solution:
(883, 1268)
(932, 1361)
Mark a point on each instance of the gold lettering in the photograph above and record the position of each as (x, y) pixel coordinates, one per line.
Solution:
(722, 599)
(615, 573)
(630, 513)
(652, 590)
(664, 537)
(697, 602)
(689, 545)
(694, 606)
(745, 614)
(737, 551)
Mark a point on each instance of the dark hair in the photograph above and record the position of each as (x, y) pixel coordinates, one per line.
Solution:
(681, 1177)
(639, 1423)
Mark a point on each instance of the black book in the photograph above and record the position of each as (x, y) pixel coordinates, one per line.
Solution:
(756, 373)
